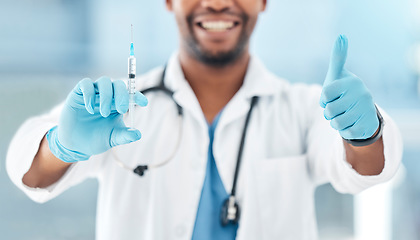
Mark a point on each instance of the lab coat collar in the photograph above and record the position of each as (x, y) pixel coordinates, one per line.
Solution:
(258, 82)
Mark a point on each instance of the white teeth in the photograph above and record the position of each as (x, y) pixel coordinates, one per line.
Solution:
(217, 25)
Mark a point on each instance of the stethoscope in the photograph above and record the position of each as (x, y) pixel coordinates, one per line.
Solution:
(230, 212)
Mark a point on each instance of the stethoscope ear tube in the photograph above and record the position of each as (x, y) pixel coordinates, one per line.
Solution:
(230, 211)
(254, 101)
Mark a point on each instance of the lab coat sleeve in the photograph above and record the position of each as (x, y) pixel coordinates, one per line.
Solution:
(326, 153)
(23, 149)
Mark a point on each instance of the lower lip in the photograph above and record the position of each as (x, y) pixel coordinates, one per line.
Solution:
(216, 35)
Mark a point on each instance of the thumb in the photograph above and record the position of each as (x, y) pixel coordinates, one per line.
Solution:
(124, 135)
(338, 59)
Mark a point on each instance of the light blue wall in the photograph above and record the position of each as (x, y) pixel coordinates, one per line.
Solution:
(45, 36)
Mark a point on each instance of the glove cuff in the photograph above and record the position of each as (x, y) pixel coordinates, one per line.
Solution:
(61, 152)
(374, 138)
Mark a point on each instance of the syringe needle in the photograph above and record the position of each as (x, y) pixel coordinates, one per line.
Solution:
(131, 32)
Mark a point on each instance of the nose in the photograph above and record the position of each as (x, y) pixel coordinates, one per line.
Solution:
(217, 5)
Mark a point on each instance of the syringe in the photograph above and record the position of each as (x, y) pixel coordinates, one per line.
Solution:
(131, 81)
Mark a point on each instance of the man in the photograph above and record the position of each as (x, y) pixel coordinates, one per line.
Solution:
(228, 100)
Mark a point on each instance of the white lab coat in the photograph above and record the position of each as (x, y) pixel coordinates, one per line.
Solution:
(290, 149)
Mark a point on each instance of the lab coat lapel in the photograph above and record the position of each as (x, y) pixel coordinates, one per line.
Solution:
(183, 94)
(258, 82)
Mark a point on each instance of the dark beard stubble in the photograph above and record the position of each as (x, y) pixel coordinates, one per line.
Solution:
(219, 59)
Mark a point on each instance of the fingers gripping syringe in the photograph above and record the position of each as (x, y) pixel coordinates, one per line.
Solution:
(131, 80)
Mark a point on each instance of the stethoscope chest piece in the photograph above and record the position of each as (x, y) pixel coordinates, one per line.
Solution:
(230, 211)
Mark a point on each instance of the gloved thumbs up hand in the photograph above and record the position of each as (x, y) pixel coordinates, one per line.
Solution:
(347, 103)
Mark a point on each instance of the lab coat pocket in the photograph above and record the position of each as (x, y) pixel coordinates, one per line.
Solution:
(285, 197)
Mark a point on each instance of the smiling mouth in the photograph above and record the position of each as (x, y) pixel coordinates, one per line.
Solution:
(217, 26)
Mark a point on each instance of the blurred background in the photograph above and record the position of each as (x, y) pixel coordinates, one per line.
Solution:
(47, 46)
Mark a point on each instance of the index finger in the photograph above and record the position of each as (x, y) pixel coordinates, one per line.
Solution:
(120, 96)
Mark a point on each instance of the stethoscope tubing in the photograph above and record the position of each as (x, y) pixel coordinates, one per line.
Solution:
(230, 210)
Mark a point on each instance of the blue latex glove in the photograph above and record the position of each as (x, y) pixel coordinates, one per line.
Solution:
(347, 101)
(91, 121)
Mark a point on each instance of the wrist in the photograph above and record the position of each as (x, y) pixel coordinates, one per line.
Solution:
(373, 138)
(61, 152)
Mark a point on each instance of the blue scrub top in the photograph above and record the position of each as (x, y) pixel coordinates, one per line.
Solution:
(207, 224)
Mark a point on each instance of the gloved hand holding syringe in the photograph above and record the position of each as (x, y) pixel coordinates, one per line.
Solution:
(91, 121)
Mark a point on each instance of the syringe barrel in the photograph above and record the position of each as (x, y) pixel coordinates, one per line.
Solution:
(132, 65)
(131, 75)
(131, 86)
